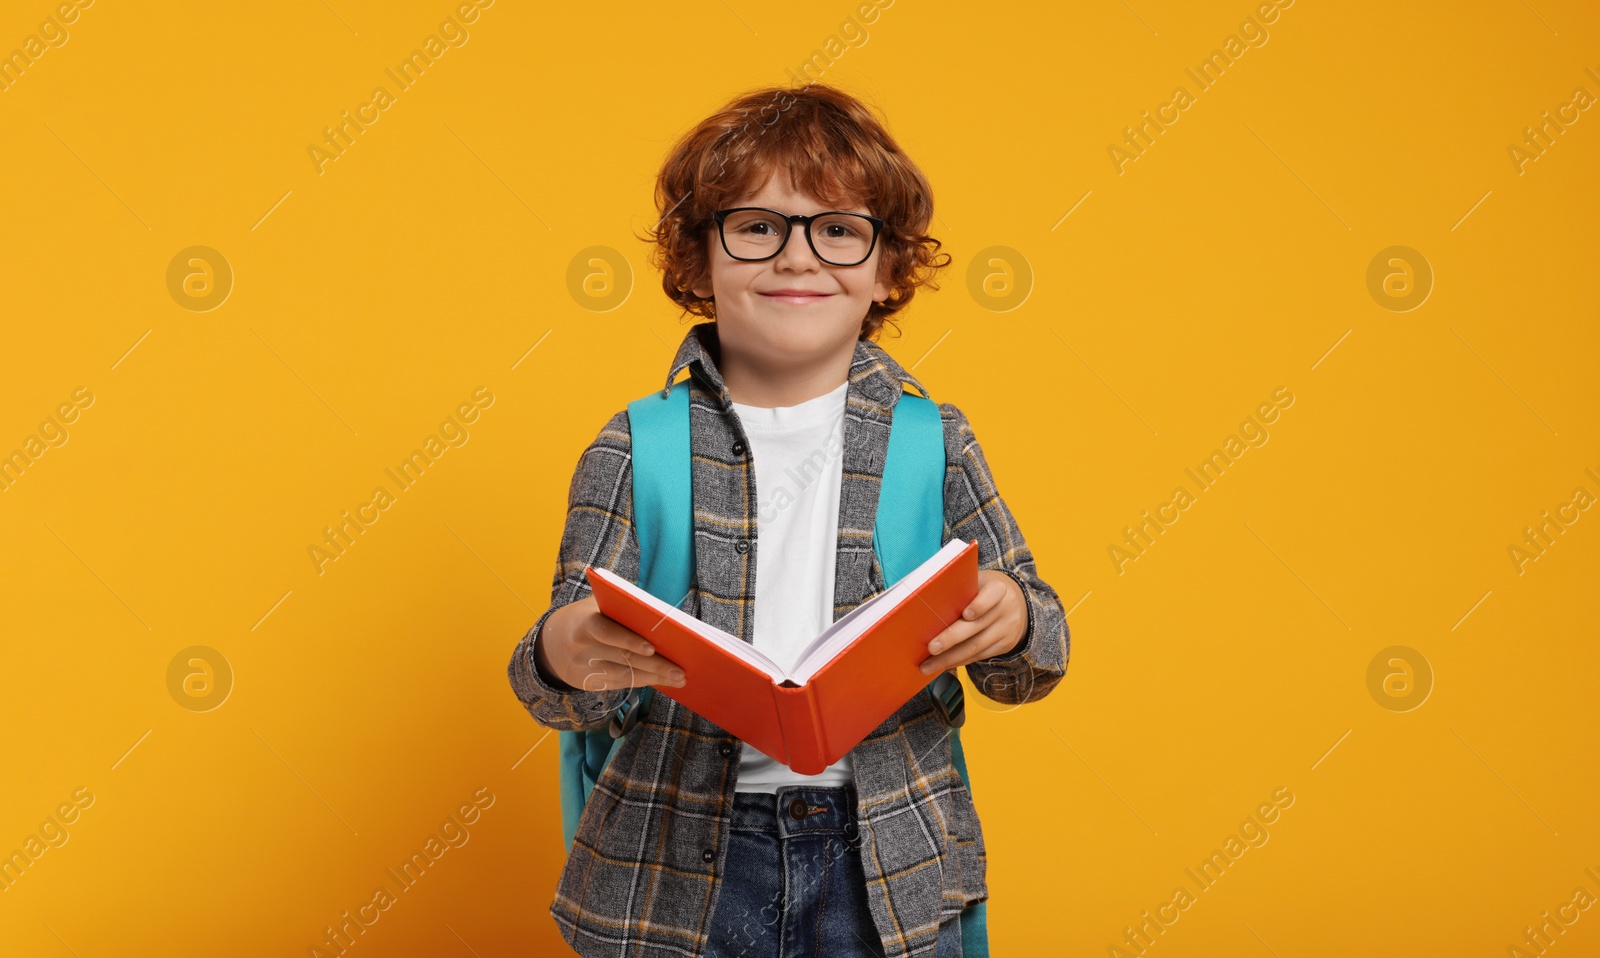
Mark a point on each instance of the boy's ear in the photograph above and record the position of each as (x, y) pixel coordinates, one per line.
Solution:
(702, 284)
(880, 291)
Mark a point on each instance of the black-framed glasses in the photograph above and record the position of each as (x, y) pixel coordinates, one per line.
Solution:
(752, 234)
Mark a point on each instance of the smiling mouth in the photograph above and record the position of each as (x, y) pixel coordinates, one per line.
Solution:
(797, 298)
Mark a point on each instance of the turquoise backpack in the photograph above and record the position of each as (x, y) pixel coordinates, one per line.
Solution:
(909, 528)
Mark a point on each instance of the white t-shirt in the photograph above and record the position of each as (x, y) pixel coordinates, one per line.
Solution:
(798, 454)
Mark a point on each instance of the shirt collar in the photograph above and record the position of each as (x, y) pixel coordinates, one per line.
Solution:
(872, 371)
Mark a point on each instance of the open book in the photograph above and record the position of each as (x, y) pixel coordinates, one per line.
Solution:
(844, 683)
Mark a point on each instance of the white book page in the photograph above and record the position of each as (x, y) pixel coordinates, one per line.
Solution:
(821, 650)
(733, 644)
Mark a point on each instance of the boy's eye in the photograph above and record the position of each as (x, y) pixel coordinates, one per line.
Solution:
(754, 224)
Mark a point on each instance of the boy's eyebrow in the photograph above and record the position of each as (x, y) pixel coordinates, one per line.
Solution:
(856, 208)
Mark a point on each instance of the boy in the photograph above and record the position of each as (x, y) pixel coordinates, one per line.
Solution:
(691, 844)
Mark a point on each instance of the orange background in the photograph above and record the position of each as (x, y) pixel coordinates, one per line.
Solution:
(367, 701)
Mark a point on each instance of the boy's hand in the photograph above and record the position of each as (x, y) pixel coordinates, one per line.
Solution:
(583, 648)
(992, 624)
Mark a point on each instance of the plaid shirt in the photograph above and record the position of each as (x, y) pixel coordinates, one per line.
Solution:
(642, 875)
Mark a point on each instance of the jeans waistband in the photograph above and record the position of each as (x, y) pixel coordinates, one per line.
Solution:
(798, 809)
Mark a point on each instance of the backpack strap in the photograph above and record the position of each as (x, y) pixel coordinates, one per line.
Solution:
(663, 514)
(663, 498)
(909, 528)
(664, 522)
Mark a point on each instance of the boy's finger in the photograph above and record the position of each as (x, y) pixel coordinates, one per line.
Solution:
(970, 649)
(619, 636)
(654, 670)
(943, 660)
(608, 675)
(599, 677)
(989, 594)
(955, 633)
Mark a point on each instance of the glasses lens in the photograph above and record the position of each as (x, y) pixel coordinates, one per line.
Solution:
(842, 238)
(752, 234)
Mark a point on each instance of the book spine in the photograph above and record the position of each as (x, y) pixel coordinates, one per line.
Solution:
(801, 724)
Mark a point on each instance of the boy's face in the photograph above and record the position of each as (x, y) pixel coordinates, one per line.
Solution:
(773, 331)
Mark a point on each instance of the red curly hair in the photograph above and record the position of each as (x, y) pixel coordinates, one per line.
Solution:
(832, 147)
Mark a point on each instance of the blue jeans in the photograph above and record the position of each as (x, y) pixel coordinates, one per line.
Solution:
(793, 885)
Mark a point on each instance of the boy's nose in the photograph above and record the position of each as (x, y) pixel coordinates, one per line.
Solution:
(796, 253)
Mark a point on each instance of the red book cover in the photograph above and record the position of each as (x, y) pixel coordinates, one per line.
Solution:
(856, 673)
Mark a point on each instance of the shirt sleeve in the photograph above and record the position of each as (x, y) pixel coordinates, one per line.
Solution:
(599, 532)
(975, 512)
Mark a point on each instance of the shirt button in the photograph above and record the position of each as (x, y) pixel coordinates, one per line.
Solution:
(726, 749)
(797, 809)
(708, 855)
(738, 449)
(742, 546)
